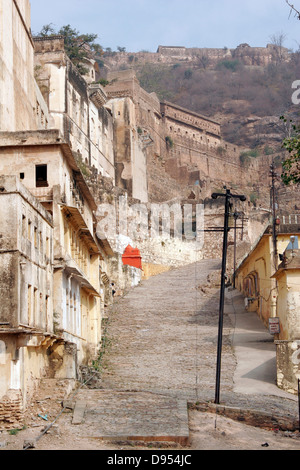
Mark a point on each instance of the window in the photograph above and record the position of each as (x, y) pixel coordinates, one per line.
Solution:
(46, 311)
(41, 176)
(29, 230)
(35, 234)
(35, 320)
(47, 249)
(22, 176)
(23, 226)
(29, 304)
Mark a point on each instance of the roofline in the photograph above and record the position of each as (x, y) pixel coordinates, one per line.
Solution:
(48, 138)
(266, 232)
(168, 103)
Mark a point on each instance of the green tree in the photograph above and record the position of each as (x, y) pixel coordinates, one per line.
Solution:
(78, 46)
(291, 165)
(47, 30)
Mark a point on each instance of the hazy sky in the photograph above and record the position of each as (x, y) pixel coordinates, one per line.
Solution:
(145, 24)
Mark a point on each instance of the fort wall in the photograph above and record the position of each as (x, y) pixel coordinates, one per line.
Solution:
(203, 57)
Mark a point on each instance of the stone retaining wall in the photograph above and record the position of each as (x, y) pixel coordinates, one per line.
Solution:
(255, 418)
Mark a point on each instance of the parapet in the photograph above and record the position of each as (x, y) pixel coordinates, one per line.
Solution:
(49, 44)
(28, 138)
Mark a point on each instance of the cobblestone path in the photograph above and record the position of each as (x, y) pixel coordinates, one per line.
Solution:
(163, 335)
(161, 346)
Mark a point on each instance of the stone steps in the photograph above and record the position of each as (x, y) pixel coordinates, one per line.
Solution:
(111, 415)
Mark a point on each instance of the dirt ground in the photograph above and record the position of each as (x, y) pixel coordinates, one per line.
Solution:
(207, 432)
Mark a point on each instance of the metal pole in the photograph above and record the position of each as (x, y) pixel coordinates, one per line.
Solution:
(222, 293)
(234, 255)
(227, 196)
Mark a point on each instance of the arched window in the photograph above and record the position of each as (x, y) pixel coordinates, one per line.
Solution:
(2, 353)
(251, 285)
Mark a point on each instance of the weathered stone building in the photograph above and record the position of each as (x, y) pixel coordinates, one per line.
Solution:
(57, 294)
(26, 314)
(77, 107)
(136, 119)
(22, 106)
(54, 269)
(244, 52)
(271, 289)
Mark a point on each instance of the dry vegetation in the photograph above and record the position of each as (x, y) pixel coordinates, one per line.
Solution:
(230, 90)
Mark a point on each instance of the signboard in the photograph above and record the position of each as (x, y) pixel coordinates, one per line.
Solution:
(274, 328)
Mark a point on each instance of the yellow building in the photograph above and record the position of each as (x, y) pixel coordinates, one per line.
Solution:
(58, 292)
(52, 264)
(271, 286)
(288, 311)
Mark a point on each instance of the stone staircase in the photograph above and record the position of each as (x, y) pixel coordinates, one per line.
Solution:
(155, 362)
(131, 416)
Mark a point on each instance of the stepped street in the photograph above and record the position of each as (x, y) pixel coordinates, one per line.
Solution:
(157, 378)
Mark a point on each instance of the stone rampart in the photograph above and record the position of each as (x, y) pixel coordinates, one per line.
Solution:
(244, 53)
(203, 57)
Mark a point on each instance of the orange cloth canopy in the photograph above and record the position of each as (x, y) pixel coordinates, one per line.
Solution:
(132, 257)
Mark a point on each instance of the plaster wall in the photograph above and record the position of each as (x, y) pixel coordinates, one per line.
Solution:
(26, 253)
(26, 285)
(288, 369)
(131, 165)
(84, 121)
(21, 104)
(288, 305)
(260, 263)
(23, 160)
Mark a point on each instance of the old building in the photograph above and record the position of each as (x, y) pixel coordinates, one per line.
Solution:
(46, 166)
(271, 288)
(54, 269)
(26, 285)
(287, 278)
(60, 278)
(76, 105)
(22, 106)
(137, 118)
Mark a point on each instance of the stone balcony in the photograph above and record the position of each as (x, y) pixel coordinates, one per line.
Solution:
(43, 193)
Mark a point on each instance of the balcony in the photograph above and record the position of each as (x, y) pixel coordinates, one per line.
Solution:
(43, 194)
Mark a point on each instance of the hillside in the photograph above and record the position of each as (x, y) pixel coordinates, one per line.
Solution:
(247, 98)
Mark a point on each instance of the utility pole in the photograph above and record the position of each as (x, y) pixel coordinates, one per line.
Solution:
(235, 216)
(228, 196)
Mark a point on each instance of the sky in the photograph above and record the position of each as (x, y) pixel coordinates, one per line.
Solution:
(141, 25)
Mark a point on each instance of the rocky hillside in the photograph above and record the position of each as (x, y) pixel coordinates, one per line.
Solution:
(246, 89)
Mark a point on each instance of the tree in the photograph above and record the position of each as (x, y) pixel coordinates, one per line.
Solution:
(47, 30)
(78, 46)
(277, 40)
(297, 13)
(291, 166)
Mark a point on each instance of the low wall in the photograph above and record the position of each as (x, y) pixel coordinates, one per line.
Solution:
(288, 368)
